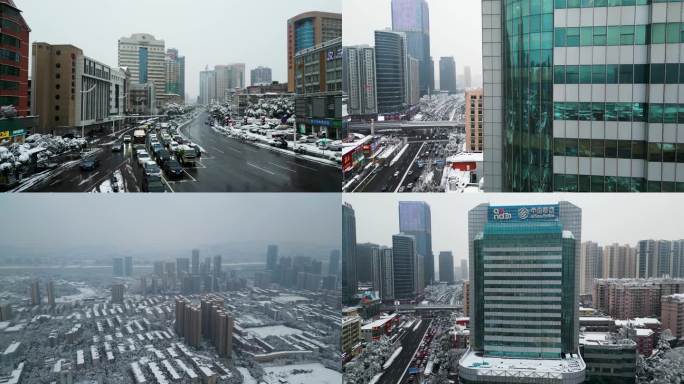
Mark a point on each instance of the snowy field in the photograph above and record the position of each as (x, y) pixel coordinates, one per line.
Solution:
(273, 330)
(302, 374)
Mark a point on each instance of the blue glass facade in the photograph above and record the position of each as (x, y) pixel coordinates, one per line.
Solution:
(143, 59)
(415, 219)
(304, 34)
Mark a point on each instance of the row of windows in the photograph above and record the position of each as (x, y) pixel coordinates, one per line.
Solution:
(516, 302)
(9, 40)
(9, 70)
(602, 35)
(539, 344)
(620, 149)
(619, 74)
(586, 183)
(9, 55)
(9, 100)
(636, 112)
(9, 85)
(561, 4)
(523, 260)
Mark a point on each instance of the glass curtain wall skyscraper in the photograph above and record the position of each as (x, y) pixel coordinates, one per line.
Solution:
(391, 71)
(582, 96)
(415, 219)
(412, 17)
(349, 279)
(524, 294)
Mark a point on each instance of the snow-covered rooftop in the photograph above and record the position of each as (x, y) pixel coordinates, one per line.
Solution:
(466, 157)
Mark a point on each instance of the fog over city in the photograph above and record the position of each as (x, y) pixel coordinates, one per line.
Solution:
(455, 29)
(239, 224)
(209, 33)
(606, 219)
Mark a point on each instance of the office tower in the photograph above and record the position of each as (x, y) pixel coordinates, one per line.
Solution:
(182, 266)
(412, 17)
(593, 120)
(415, 219)
(118, 293)
(305, 31)
(413, 83)
(467, 77)
(464, 269)
(405, 267)
(663, 258)
(591, 261)
(70, 90)
(271, 257)
(158, 268)
(145, 58)
(175, 73)
(15, 90)
(364, 259)
(318, 88)
(466, 297)
(207, 87)
(35, 293)
(334, 263)
(360, 84)
(128, 266)
(447, 74)
(50, 290)
(195, 261)
(349, 279)
(217, 266)
(391, 61)
(376, 271)
(386, 274)
(473, 120)
(645, 252)
(537, 245)
(261, 76)
(446, 267)
(118, 266)
(678, 258)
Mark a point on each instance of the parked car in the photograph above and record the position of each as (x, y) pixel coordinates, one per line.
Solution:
(173, 169)
(89, 164)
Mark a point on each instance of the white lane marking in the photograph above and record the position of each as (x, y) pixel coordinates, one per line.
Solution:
(281, 167)
(362, 182)
(261, 169)
(409, 167)
(217, 150)
(304, 166)
(167, 184)
(89, 178)
(233, 149)
(189, 175)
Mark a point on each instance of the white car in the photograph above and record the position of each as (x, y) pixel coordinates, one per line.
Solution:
(307, 139)
(143, 157)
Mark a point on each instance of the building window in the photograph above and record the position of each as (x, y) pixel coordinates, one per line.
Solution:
(9, 85)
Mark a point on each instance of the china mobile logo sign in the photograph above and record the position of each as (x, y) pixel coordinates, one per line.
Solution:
(545, 212)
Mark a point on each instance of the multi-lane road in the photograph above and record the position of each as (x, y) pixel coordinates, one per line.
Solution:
(228, 165)
(397, 372)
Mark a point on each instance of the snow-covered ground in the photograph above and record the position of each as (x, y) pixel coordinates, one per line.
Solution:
(273, 330)
(246, 376)
(288, 299)
(313, 373)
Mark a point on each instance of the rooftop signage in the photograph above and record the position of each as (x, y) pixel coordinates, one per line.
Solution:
(523, 213)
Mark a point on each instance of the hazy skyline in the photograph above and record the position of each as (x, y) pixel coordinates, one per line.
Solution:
(217, 32)
(165, 221)
(606, 218)
(455, 29)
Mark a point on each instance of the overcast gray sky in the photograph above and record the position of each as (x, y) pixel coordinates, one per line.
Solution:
(606, 218)
(206, 32)
(455, 29)
(182, 220)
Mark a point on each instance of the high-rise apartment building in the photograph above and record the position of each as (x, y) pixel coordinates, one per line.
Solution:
(591, 262)
(217, 266)
(415, 219)
(260, 76)
(361, 88)
(349, 279)
(207, 87)
(334, 263)
(50, 290)
(391, 73)
(118, 266)
(446, 267)
(14, 68)
(447, 74)
(524, 294)
(619, 261)
(35, 293)
(672, 314)
(118, 293)
(305, 31)
(145, 58)
(128, 266)
(677, 258)
(412, 17)
(601, 116)
(195, 261)
(630, 298)
(271, 257)
(473, 120)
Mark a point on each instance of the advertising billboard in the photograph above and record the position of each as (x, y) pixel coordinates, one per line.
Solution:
(523, 213)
